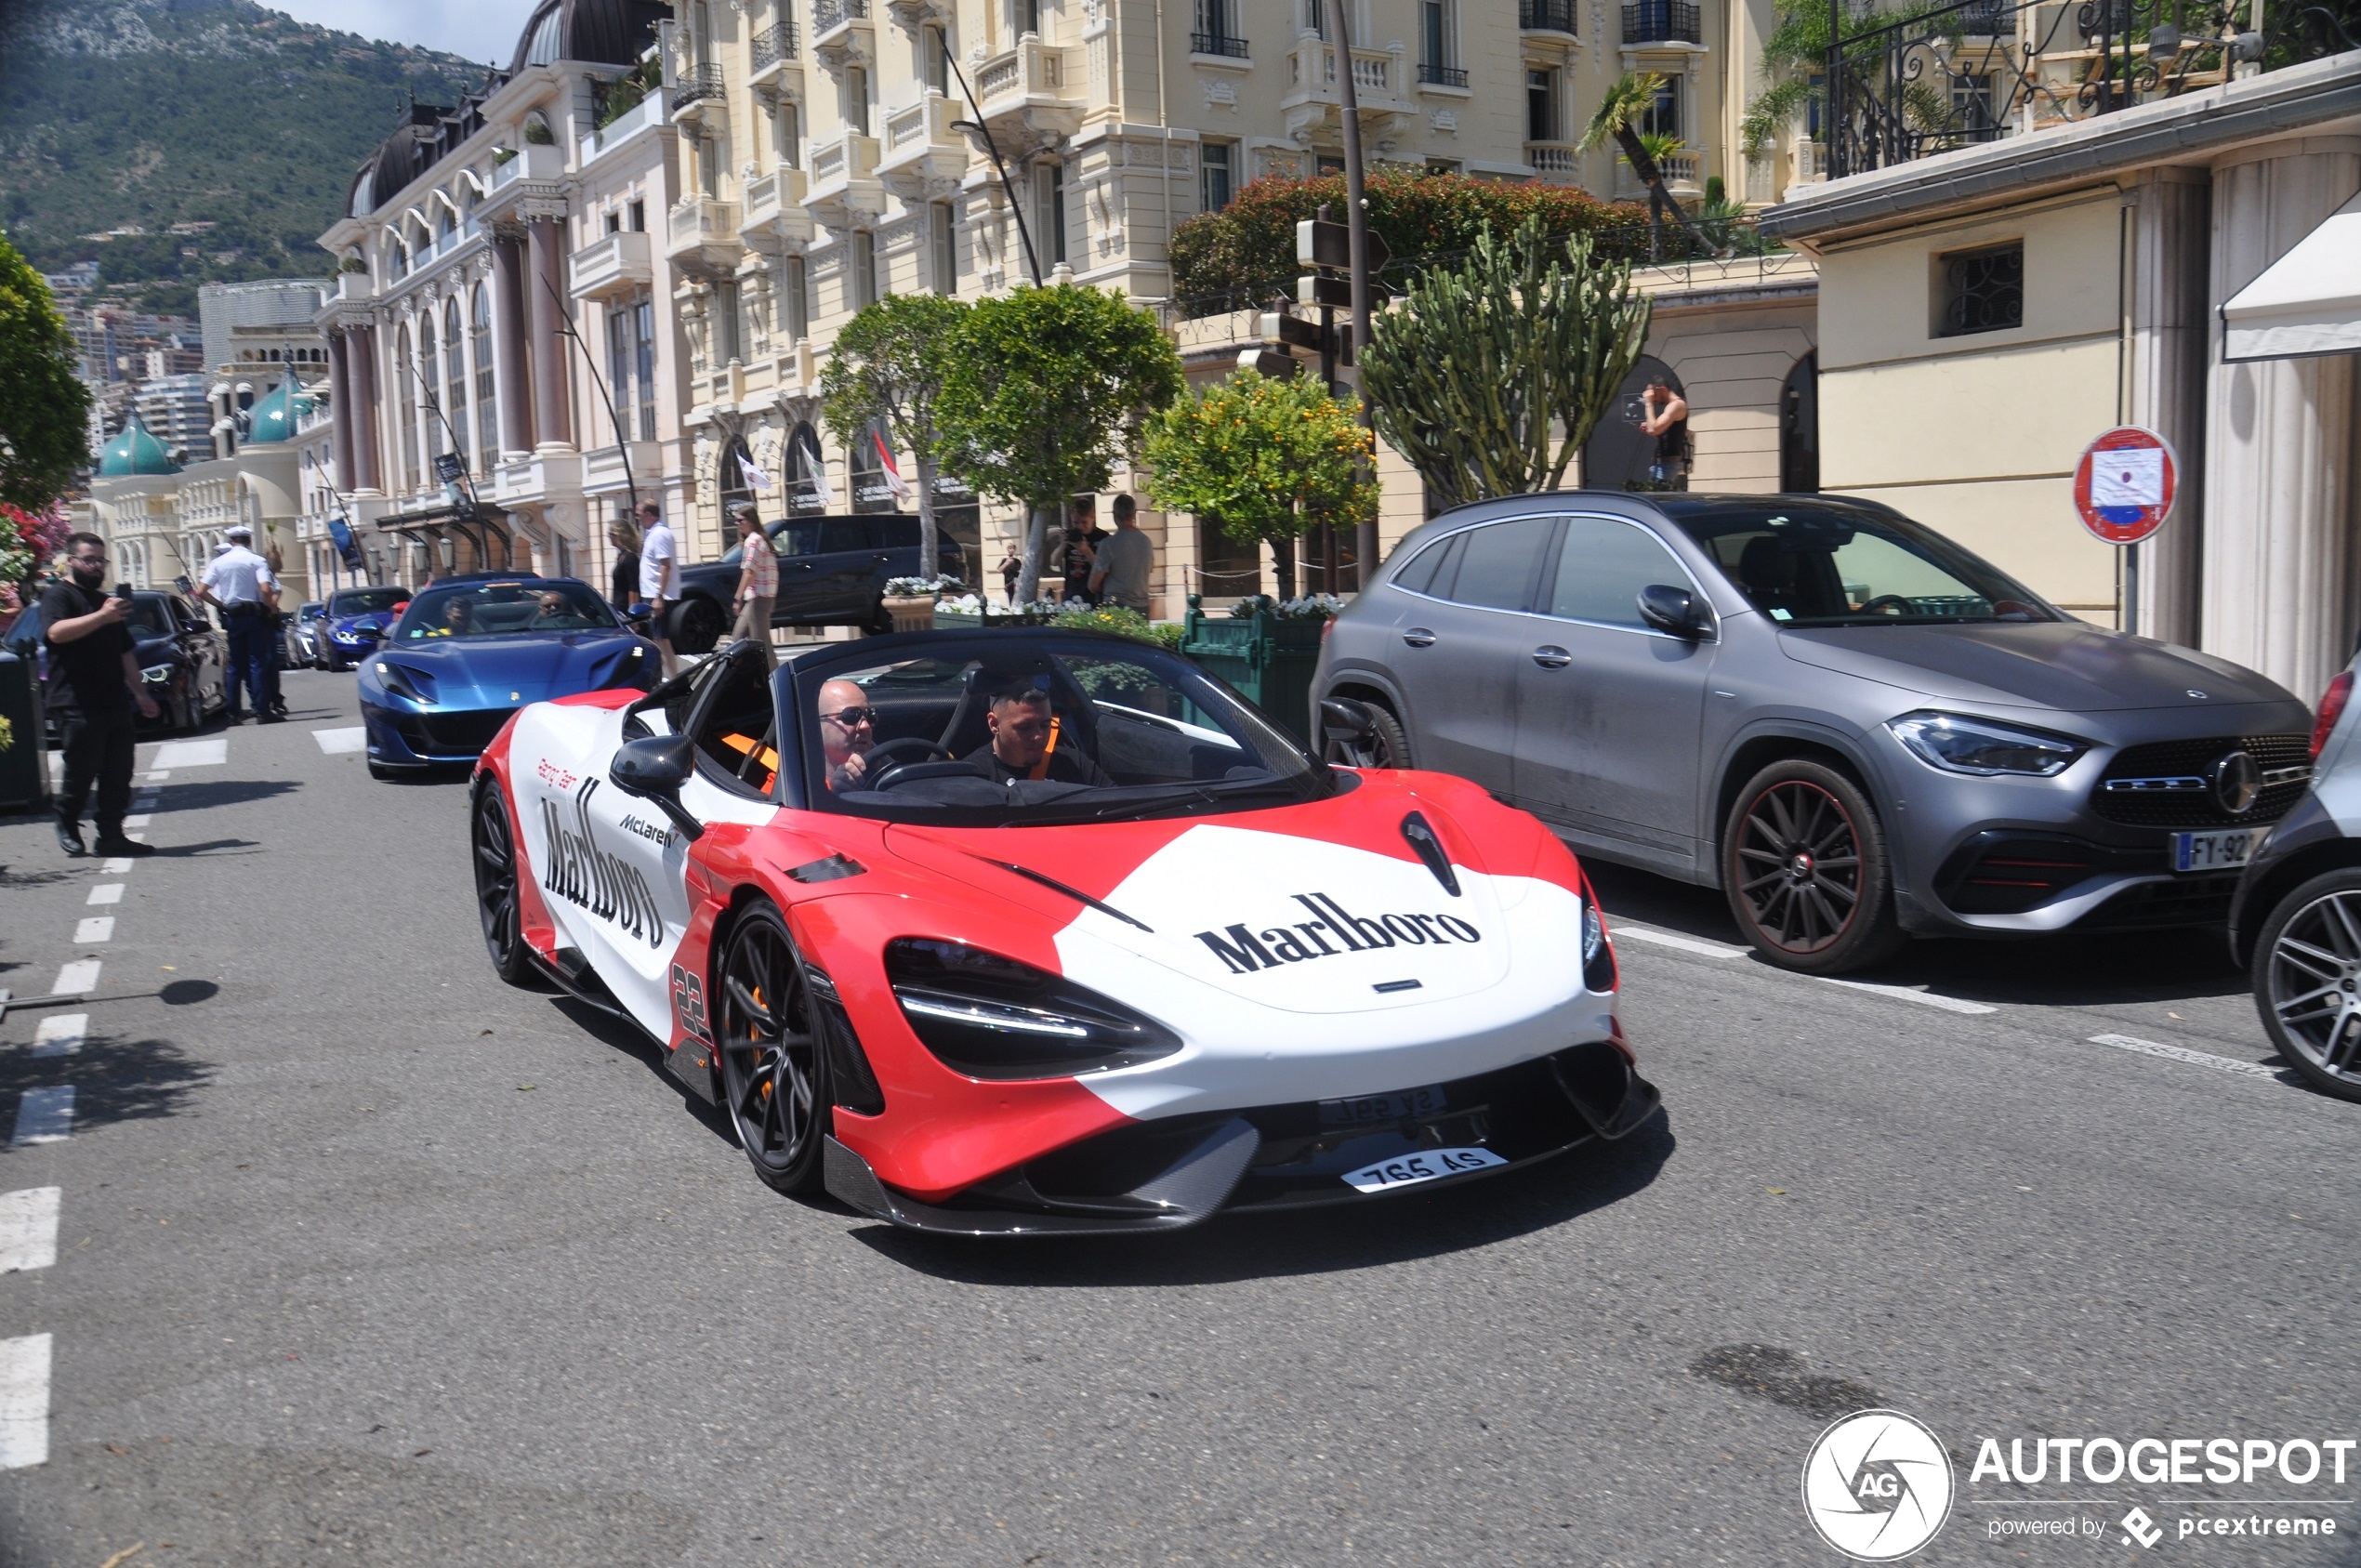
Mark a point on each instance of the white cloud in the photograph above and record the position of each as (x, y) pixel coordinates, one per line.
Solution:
(483, 29)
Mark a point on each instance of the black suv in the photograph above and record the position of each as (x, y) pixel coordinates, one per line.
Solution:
(832, 573)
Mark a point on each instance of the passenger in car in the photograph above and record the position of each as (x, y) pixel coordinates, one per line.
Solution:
(1026, 736)
(847, 731)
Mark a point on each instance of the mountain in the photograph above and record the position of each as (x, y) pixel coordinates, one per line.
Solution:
(223, 133)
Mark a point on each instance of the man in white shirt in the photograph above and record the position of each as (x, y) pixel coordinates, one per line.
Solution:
(239, 584)
(659, 576)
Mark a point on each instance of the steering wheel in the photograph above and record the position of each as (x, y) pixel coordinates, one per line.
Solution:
(1901, 605)
(919, 744)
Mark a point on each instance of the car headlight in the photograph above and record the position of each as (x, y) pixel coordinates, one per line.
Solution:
(157, 673)
(401, 681)
(1957, 744)
(1598, 959)
(990, 1017)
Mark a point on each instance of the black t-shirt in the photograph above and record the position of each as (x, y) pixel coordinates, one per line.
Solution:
(1078, 566)
(87, 672)
(624, 585)
(1067, 765)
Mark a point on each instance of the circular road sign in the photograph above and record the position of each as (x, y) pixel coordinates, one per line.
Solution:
(2126, 483)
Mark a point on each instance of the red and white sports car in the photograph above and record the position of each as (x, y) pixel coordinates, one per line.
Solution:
(1016, 932)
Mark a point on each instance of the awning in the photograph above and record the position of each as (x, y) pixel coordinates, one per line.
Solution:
(2307, 302)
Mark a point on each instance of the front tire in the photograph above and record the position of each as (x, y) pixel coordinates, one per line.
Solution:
(2307, 981)
(696, 626)
(1805, 867)
(773, 1074)
(496, 861)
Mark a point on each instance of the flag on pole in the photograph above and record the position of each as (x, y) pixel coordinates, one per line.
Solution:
(757, 481)
(894, 481)
(816, 467)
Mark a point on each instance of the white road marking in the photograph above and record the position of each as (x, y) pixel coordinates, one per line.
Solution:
(77, 978)
(106, 892)
(24, 1401)
(114, 865)
(1686, 944)
(189, 753)
(28, 1229)
(141, 821)
(157, 775)
(1909, 994)
(335, 740)
(60, 1034)
(2182, 1053)
(45, 1116)
(94, 929)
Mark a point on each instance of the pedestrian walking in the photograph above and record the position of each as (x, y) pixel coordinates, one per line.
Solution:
(659, 578)
(623, 584)
(1125, 562)
(94, 684)
(758, 581)
(238, 582)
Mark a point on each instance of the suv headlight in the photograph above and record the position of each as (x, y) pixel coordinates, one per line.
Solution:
(990, 1017)
(1958, 745)
(157, 673)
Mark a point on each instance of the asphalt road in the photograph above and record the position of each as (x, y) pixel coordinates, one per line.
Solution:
(363, 1256)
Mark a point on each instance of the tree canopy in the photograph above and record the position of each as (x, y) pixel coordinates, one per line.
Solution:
(1043, 388)
(44, 409)
(887, 368)
(1489, 377)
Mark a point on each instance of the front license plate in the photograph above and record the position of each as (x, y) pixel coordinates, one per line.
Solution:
(1427, 1164)
(2213, 852)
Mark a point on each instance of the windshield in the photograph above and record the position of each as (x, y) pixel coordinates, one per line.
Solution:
(1016, 728)
(1826, 564)
(502, 610)
(147, 616)
(356, 601)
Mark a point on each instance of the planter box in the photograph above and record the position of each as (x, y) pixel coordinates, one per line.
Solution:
(912, 614)
(983, 620)
(1268, 659)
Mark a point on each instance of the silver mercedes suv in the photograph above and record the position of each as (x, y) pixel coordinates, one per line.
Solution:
(1854, 727)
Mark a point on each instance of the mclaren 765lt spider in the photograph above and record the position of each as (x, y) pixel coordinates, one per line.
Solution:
(1027, 932)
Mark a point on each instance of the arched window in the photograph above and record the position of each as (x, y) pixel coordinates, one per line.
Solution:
(1799, 427)
(803, 458)
(729, 479)
(405, 376)
(487, 406)
(455, 379)
(430, 380)
(870, 492)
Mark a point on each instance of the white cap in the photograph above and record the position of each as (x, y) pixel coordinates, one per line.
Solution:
(237, 531)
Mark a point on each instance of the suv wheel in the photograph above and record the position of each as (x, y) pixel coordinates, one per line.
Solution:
(696, 626)
(1804, 863)
(2307, 981)
(1387, 747)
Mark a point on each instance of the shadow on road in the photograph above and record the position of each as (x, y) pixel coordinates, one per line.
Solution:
(2060, 970)
(113, 1080)
(626, 1038)
(238, 792)
(1317, 1240)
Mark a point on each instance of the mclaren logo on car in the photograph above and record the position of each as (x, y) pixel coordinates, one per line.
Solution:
(605, 884)
(1330, 933)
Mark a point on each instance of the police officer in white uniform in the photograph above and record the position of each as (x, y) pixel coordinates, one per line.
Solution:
(239, 584)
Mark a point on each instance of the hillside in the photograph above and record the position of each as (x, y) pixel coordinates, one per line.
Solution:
(226, 132)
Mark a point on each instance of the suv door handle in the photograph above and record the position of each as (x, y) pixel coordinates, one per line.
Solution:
(1551, 656)
(1419, 636)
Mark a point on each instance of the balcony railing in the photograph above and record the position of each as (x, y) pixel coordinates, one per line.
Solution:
(1681, 170)
(1988, 19)
(1546, 15)
(1443, 75)
(1217, 44)
(774, 43)
(1556, 161)
(828, 14)
(694, 85)
(1661, 21)
(1314, 63)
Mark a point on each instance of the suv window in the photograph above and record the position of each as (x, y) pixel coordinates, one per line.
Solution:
(795, 539)
(1601, 567)
(1497, 564)
(1420, 574)
(894, 533)
(839, 534)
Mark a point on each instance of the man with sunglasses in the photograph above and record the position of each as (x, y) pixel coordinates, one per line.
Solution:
(847, 731)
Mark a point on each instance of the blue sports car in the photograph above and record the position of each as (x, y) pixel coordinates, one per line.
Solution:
(356, 622)
(472, 649)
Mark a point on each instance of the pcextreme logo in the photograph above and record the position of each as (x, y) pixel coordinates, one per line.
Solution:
(1878, 1485)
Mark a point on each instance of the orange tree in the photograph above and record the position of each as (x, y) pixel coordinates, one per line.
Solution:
(1246, 253)
(1264, 459)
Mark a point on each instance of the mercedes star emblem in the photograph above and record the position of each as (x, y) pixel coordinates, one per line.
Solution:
(2236, 782)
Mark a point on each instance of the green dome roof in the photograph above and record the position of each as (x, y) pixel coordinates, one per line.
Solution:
(273, 416)
(135, 451)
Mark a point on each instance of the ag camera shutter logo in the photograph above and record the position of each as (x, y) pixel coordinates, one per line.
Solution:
(1878, 1485)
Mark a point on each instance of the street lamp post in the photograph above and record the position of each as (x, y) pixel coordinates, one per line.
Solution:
(1356, 216)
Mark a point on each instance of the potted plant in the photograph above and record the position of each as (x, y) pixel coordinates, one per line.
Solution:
(1266, 648)
(910, 601)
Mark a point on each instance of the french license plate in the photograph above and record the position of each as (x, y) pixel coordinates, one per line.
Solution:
(1427, 1164)
(2213, 852)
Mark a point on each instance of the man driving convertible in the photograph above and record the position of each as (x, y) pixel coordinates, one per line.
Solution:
(1028, 741)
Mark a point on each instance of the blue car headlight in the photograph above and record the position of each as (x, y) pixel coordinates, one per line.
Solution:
(404, 681)
(1958, 745)
(157, 673)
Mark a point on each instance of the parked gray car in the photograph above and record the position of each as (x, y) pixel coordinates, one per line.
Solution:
(2297, 917)
(1856, 728)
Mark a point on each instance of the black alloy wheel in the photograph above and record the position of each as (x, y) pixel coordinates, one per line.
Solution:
(773, 1079)
(1386, 746)
(496, 860)
(1805, 867)
(696, 626)
(2307, 981)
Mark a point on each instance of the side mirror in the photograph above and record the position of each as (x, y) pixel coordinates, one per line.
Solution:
(654, 768)
(1344, 720)
(637, 616)
(1675, 611)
